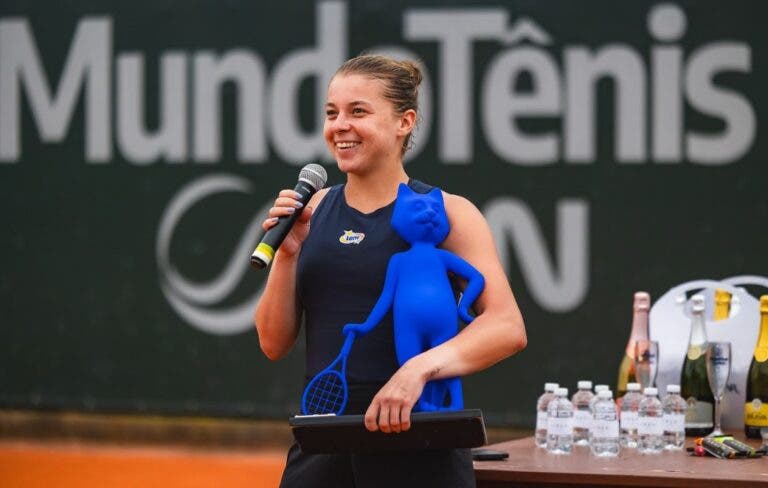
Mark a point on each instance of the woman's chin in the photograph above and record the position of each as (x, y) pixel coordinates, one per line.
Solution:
(348, 165)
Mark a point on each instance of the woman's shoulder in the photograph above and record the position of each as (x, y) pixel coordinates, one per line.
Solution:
(452, 201)
(459, 206)
(468, 225)
(318, 197)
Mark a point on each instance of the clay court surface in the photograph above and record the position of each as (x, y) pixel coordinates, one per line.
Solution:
(84, 465)
(60, 449)
(88, 450)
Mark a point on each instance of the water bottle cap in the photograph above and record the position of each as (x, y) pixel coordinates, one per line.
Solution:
(599, 388)
(606, 394)
(550, 387)
(697, 303)
(633, 386)
(651, 391)
(585, 385)
(561, 392)
(673, 388)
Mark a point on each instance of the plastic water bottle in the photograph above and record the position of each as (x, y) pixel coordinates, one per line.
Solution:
(628, 417)
(582, 416)
(541, 413)
(560, 423)
(605, 426)
(674, 408)
(649, 427)
(598, 389)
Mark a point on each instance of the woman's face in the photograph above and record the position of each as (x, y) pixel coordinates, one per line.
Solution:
(361, 127)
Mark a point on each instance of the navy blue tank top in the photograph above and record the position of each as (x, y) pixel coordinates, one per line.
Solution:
(340, 275)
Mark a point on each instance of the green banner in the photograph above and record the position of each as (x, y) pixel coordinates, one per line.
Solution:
(612, 146)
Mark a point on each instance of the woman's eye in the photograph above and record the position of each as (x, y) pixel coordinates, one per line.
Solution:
(330, 113)
(358, 111)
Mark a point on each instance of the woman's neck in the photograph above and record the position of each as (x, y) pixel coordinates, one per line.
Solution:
(370, 191)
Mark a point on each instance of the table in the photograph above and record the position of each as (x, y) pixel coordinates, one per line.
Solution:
(529, 466)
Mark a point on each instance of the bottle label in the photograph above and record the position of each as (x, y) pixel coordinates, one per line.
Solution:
(541, 421)
(582, 419)
(756, 413)
(695, 351)
(649, 426)
(699, 414)
(605, 428)
(628, 420)
(673, 422)
(560, 426)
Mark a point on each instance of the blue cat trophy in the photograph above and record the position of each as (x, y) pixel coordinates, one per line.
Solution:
(418, 289)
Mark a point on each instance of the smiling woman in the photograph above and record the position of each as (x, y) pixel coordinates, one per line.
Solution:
(370, 115)
(361, 128)
(331, 274)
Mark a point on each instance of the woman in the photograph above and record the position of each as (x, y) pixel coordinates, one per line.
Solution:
(371, 112)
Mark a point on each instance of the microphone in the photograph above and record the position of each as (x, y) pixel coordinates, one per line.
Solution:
(312, 177)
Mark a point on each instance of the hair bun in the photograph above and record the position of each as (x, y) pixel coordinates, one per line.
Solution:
(414, 71)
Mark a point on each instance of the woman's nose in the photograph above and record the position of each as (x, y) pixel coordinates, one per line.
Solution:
(340, 123)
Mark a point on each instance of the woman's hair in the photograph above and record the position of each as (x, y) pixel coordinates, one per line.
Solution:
(401, 81)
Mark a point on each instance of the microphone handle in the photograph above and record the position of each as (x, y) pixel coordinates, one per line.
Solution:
(270, 242)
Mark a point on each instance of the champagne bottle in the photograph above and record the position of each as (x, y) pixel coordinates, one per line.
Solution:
(642, 301)
(722, 304)
(694, 386)
(756, 408)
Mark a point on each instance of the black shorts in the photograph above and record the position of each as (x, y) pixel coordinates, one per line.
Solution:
(451, 468)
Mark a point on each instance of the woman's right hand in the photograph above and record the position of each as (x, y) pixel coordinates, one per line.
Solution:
(287, 203)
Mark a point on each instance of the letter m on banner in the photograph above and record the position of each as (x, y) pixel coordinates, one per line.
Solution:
(88, 66)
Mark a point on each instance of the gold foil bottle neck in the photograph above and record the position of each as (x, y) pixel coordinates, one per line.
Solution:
(722, 304)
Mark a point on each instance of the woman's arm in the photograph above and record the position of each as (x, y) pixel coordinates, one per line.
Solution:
(496, 332)
(277, 315)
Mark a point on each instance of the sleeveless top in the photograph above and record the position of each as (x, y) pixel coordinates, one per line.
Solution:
(340, 275)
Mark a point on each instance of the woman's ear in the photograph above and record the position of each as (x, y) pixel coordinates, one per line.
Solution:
(407, 122)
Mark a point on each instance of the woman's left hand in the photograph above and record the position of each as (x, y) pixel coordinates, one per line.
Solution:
(390, 410)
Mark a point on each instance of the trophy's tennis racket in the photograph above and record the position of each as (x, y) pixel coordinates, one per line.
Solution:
(327, 392)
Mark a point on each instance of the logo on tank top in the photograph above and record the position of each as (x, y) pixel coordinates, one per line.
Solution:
(351, 237)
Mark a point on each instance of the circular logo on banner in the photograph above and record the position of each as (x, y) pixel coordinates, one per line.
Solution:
(195, 301)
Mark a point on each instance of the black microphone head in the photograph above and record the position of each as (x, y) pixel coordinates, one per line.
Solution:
(315, 175)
